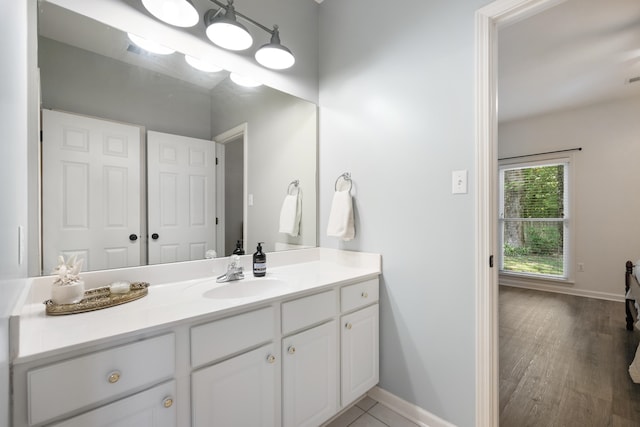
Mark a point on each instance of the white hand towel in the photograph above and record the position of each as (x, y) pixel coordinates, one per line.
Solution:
(341, 222)
(290, 214)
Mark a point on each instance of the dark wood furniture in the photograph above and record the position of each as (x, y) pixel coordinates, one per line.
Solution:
(630, 304)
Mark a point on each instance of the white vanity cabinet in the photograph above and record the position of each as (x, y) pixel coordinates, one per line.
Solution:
(151, 408)
(116, 376)
(309, 360)
(241, 389)
(309, 376)
(295, 361)
(359, 353)
(359, 340)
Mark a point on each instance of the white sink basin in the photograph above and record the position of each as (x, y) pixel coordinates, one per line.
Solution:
(251, 287)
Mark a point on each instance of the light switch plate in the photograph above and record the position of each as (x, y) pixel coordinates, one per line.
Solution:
(459, 182)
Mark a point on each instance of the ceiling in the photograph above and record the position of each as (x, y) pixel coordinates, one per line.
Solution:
(577, 53)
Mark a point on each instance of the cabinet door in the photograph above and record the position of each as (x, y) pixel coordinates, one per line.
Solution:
(240, 391)
(309, 372)
(359, 353)
(155, 407)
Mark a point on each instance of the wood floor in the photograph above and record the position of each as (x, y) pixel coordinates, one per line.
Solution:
(564, 361)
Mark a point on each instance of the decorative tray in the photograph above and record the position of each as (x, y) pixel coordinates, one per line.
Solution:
(97, 299)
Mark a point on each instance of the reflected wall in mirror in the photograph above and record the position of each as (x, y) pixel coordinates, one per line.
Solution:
(264, 140)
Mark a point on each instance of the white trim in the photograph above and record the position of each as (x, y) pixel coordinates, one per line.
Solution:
(563, 290)
(408, 410)
(487, 20)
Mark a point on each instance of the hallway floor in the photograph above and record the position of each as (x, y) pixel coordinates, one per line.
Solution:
(564, 361)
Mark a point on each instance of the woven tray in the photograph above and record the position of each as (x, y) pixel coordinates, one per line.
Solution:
(97, 299)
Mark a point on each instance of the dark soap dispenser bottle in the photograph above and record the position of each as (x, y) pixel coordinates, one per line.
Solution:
(259, 262)
(238, 250)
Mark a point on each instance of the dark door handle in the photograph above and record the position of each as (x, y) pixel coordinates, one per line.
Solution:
(133, 237)
(155, 236)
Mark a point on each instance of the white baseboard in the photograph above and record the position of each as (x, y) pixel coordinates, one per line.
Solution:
(408, 410)
(564, 290)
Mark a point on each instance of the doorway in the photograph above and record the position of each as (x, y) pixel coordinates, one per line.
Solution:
(488, 20)
(231, 181)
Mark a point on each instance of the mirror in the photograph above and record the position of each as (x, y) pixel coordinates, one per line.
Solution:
(264, 140)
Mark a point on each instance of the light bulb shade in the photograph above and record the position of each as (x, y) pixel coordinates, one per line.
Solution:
(273, 55)
(276, 57)
(201, 64)
(180, 13)
(150, 45)
(243, 81)
(226, 31)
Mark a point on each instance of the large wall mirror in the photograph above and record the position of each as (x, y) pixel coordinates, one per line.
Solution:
(150, 113)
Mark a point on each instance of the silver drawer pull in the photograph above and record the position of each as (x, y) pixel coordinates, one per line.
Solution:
(167, 402)
(113, 377)
(271, 358)
(348, 326)
(365, 295)
(291, 349)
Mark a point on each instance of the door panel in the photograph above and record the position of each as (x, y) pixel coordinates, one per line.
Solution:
(181, 194)
(91, 190)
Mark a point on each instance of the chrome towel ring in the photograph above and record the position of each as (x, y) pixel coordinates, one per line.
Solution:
(346, 177)
(295, 184)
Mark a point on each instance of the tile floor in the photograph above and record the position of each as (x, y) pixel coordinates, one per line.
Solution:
(369, 413)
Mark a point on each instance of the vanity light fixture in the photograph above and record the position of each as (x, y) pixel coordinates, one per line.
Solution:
(273, 55)
(180, 13)
(201, 64)
(224, 30)
(150, 45)
(243, 80)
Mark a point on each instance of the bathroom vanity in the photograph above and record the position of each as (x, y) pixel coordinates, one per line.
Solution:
(293, 348)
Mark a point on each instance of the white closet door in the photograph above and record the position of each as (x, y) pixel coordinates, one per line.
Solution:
(90, 191)
(181, 197)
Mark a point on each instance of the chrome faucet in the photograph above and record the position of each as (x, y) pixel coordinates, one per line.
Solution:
(234, 271)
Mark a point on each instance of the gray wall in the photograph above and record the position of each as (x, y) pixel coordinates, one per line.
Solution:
(396, 110)
(83, 82)
(604, 177)
(282, 132)
(13, 174)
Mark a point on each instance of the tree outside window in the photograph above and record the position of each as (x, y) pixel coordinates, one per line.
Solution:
(533, 219)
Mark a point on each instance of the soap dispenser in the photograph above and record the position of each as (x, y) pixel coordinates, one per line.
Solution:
(259, 262)
(238, 250)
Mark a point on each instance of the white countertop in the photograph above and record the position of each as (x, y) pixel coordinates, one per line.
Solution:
(289, 274)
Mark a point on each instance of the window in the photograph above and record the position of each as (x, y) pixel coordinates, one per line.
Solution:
(534, 226)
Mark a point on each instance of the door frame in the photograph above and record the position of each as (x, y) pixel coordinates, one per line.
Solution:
(242, 130)
(487, 22)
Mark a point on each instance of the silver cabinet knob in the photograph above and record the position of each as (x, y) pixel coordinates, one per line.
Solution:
(113, 377)
(271, 358)
(348, 326)
(167, 402)
(365, 295)
(291, 349)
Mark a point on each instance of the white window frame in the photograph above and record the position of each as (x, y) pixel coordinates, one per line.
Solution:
(567, 261)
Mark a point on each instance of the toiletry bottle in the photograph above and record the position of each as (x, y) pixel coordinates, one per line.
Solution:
(238, 250)
(259, 262)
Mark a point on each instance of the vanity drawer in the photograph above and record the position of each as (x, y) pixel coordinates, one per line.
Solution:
(215, 340)
(307, 311)
(358, 295)
(62, 387)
